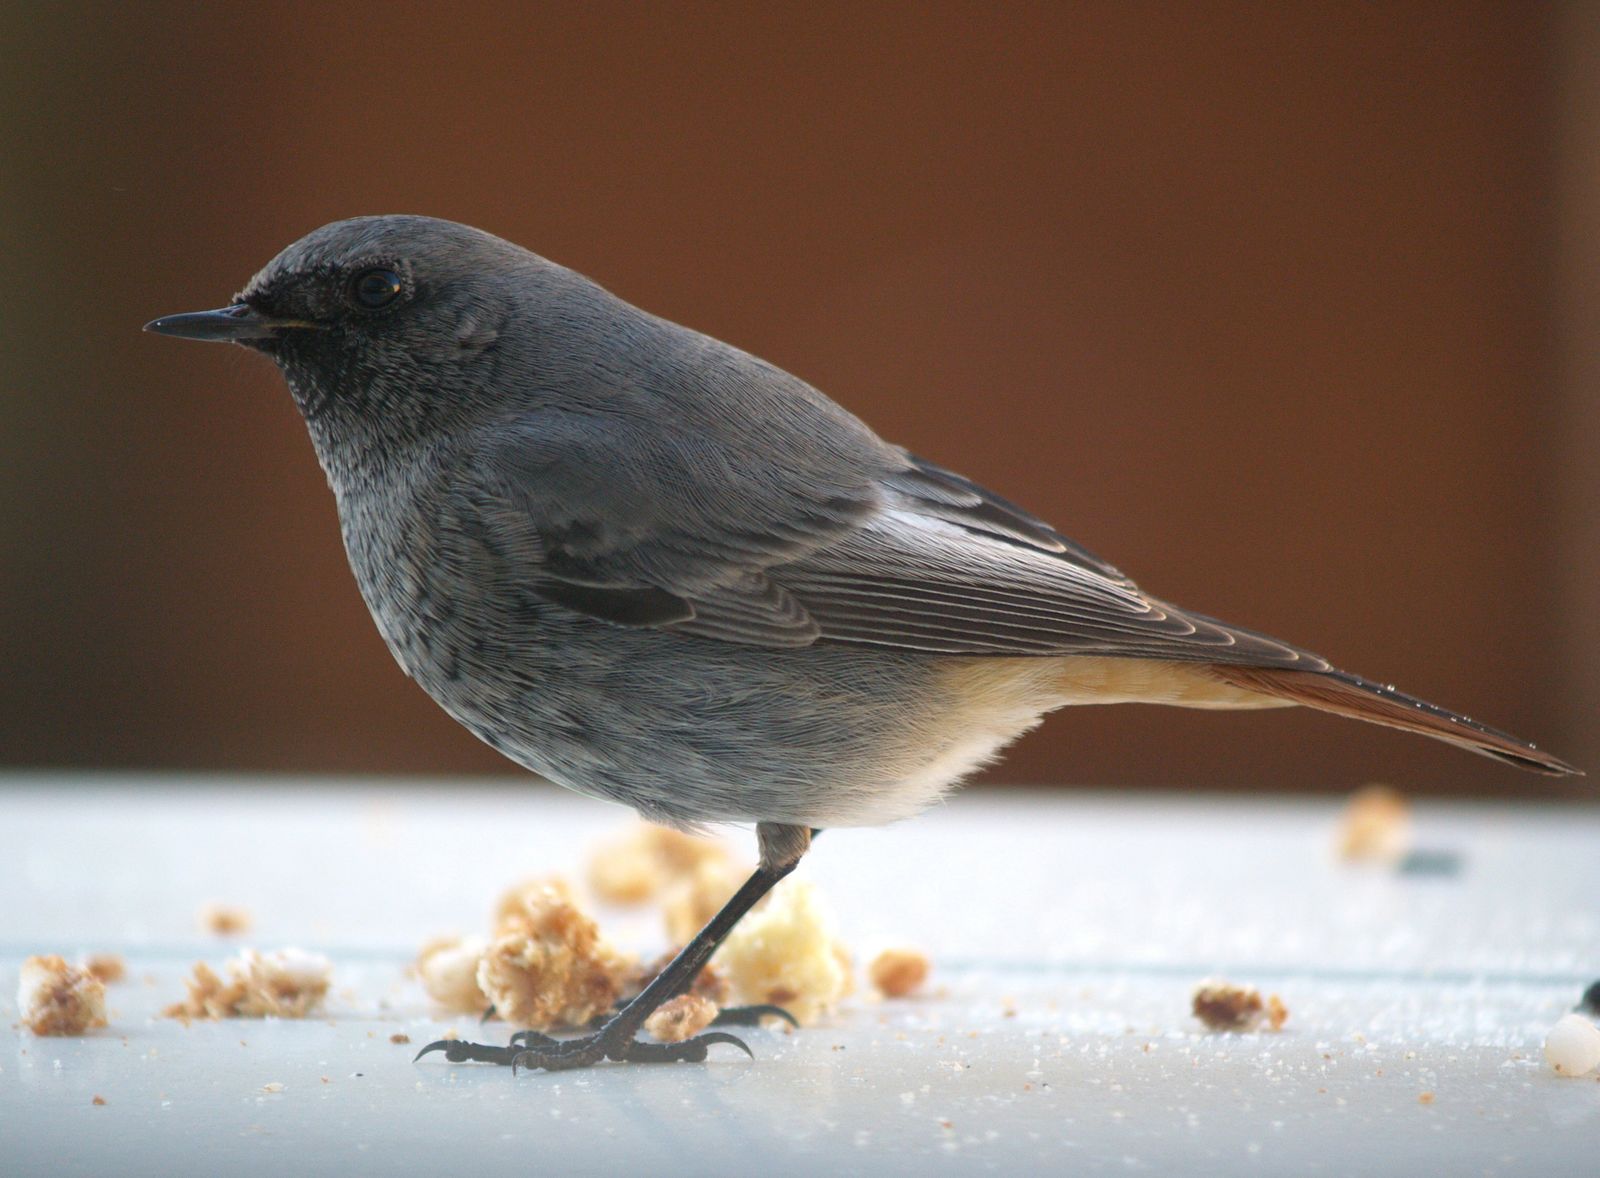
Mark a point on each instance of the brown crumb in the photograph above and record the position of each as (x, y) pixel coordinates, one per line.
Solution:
(59, 999)
(549, 966)
(1376, 825)
(289, 983)
(636, 867)
(399, 1037)
(894, 973)
(107, 967)
(100, 1100)
(1223, 1006)
(681, 1018)
(225, 920)
(1424, 1098)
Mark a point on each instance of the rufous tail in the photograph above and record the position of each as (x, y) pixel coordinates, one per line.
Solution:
(1350, 695)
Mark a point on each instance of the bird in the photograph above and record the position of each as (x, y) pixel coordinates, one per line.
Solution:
(658, 570)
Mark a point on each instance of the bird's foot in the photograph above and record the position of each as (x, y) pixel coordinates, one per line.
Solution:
(531, 1049)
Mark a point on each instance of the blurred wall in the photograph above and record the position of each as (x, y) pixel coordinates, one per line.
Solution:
(1263, 302)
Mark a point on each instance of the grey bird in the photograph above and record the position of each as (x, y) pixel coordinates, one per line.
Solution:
(657, 569)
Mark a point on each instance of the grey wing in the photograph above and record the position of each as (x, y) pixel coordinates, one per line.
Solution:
(641, 527)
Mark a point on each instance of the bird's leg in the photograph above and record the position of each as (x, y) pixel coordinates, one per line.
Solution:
(781, 849)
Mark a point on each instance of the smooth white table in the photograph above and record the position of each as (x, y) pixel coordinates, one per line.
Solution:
(1066, 931)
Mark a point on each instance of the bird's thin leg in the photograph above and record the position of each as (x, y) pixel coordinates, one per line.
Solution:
(781, 849)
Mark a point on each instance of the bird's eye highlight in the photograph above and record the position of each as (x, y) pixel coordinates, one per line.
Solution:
(375, 288)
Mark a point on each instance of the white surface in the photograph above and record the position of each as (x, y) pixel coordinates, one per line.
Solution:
(1066, 934)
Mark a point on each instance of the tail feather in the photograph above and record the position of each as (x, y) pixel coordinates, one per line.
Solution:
(1350, 695)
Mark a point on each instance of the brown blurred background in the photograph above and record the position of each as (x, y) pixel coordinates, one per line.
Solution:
(1289, 310)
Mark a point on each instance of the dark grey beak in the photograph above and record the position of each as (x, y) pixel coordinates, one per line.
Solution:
(227, 324)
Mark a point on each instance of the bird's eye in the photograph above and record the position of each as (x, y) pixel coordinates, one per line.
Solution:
(375, 288)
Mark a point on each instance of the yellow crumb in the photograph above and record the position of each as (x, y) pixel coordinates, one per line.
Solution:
(1277, 1013)
(786, 954)
(635, 867)
(448, 970)
(1223, 1006)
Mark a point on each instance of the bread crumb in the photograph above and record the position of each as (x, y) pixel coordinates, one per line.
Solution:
(1376, 825)
(273, 1086)
(681, 1018)
(786, 954)
(287, 983)
(448, 970)
(522, 902)
(894, 973)
(225, 920)
(99, 1100)
(549, 967)
(1424, 1098)
(1572, 1047)
(106, 967)
(636, 867)
(399, 1037)
(59, 999)
(1223, 1006)
(1277, 1013)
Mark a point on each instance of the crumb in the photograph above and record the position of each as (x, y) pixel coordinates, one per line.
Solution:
(325, 1080)
(1277, 1013)
(1376, 825)
(522, 902)
(59, 999)
(636, 867)
(288, 983)
(273, 1086)
(224, 920)
(786, 954)
(549, 966)
(448, 970)
(1222, 1006)
(1573, 1046)
(894, 973)
(681, 1018)
(99, 1100)
(1424, 1098)
(106, 967)
(399, 1037)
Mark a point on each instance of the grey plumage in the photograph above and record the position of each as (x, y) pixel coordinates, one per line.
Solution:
(657, 569)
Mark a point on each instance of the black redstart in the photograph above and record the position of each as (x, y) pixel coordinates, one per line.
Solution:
(657, 569)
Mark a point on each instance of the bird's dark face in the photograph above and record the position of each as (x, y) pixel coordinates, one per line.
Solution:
(378, 322)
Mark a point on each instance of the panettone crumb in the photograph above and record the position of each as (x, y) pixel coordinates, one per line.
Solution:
(786, 954)
(108, 967)
(225, 920)
(1376, 825)
(1223, 1006)
(894, 973)
(59, 999)
(636, 867)
(681, 1018)
(287, 983)
(448, 970)
(549, 967)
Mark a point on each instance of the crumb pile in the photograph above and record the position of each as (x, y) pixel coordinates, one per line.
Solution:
(288, 983)
(690, 877)
(895, 973)
(59, 999)
(786, 953)
(545, 967)
(1223, 1006)
(1375, 826)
